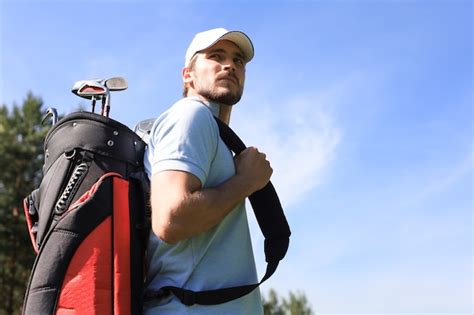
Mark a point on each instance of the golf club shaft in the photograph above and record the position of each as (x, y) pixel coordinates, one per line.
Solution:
(106, 104)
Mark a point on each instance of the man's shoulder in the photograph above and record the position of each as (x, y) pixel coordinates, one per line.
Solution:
(187, 106)
(187, 112)
(188, 116)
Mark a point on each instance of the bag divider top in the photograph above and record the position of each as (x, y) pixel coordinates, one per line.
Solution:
(94, 133)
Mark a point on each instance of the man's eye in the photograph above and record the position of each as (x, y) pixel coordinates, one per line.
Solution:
(239, 61)
(215, 57)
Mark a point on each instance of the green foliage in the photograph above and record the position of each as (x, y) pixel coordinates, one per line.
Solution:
(21, 144)
(295, 304)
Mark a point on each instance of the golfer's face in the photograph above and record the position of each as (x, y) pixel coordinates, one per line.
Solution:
(219, 73)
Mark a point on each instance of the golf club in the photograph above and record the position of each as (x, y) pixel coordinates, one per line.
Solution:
(99, 89)
(51, 111)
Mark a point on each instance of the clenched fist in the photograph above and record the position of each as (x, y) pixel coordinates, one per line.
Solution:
(254, 169)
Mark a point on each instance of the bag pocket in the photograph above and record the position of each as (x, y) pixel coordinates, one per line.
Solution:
(30, 206)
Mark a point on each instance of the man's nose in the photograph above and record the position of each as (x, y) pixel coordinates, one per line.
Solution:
(229, 65)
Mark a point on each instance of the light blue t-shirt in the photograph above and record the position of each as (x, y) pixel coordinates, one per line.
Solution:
(186, 138)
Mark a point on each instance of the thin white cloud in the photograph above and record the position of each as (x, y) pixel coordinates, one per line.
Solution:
(444, 181)
(300, 138)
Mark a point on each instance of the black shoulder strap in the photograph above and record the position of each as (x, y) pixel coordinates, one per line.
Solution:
(272, 222)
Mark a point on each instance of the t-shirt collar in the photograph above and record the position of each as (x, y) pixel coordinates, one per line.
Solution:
(213, 107)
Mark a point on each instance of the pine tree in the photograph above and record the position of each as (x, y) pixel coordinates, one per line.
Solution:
(21, 159)
(272, 306)
(296, 304)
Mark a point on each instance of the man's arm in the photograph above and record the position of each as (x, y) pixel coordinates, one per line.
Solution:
(182, 209)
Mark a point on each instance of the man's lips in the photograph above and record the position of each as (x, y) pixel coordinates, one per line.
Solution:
(229, 78)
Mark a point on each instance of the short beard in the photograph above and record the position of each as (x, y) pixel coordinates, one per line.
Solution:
(226, 99)
(221, 98)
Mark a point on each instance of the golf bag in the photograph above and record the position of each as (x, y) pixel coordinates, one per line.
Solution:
(88, 221)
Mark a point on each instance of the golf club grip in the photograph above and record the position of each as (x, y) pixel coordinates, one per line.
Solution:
(265, 203)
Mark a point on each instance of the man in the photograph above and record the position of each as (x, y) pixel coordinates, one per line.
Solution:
(200, 238)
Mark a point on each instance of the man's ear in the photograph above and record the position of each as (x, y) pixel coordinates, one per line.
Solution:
(186, 75)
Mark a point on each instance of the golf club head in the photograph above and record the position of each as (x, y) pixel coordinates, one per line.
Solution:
(90, 89)
(50, 112)
(99, 89)
(116, 84)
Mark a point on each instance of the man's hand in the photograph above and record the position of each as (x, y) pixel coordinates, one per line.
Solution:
(253, 168)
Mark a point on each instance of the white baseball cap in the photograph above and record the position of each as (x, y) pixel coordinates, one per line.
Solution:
(208, 38)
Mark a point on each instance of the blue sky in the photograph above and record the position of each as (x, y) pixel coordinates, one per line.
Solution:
(363, 107)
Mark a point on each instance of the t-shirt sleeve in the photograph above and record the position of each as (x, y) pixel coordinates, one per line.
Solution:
(185, 140)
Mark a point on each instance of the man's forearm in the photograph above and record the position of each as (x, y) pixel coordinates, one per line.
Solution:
(198, 210)
(181, 209)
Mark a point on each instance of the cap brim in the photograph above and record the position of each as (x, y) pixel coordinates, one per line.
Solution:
(242, 41)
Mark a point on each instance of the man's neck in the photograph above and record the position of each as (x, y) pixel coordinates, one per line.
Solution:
(224, 113)
(224, 110)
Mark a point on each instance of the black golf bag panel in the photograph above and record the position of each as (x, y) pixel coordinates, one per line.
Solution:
(88, 221)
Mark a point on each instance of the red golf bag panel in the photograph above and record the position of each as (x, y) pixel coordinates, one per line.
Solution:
(87, 285)
(92, 282)
(90, 229)
(121, 246)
